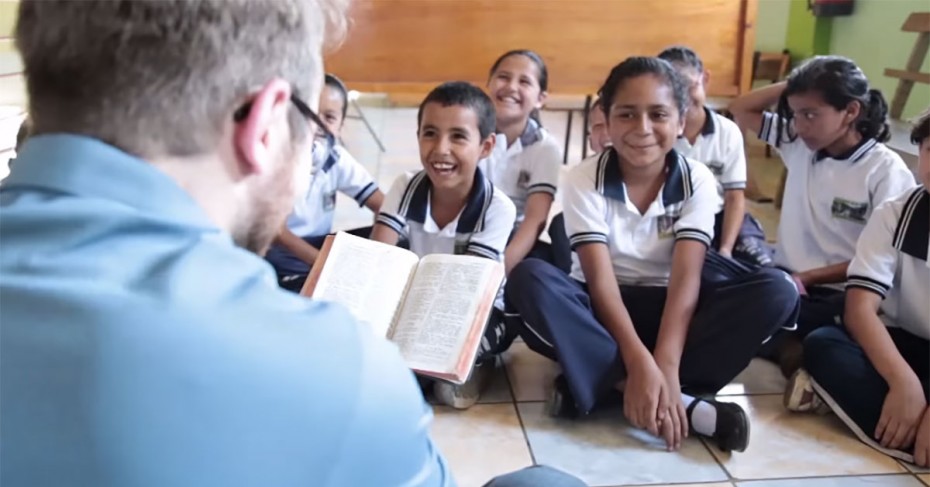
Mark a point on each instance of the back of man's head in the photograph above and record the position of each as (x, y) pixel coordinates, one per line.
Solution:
(160, 78)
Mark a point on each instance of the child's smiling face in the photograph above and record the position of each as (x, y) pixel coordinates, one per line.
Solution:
(514, 88)
(451, 145)
(644, 120)
(332, 105)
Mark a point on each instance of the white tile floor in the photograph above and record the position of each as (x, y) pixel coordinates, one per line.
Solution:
(509, 428)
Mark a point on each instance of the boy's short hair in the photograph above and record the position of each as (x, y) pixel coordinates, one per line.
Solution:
(467, 95)
(683, 56)
(162, 77)
(921, 130)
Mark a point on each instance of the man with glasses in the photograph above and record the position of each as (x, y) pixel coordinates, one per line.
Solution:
(142, 340)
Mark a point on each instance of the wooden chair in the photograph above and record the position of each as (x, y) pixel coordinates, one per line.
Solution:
(918, 22)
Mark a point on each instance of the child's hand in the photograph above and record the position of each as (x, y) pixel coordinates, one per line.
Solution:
(674, 421)
(922, 443)
(644, 389)
(901, 414)
(799, 283)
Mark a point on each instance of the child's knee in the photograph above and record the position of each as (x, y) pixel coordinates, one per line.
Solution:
(527, 273)
(821, 347)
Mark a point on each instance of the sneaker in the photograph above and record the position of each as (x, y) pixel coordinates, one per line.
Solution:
(800, 396)
(465, 395)
(732, 430)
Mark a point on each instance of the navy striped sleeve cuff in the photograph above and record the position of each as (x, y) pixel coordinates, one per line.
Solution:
(579, 239)
(541, 188)
(392, 222)
(768, 123)
(692, 234)
(734, 185)
(482, 250)
(868, 284)
(366, 193)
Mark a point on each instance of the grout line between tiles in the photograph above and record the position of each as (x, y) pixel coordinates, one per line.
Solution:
(717, 461)
(516, 408)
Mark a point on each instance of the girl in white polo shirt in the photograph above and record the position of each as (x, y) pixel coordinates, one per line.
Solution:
(828, 128)
(526, 159)
(874, 371)
(634, 315)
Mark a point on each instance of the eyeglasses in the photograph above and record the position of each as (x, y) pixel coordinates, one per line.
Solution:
(328, 140)
(304, 109)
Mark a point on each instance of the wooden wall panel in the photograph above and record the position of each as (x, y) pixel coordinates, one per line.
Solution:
(399, 46)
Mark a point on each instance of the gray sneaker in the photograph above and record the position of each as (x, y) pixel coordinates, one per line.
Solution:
(466, 395)
(801, 397)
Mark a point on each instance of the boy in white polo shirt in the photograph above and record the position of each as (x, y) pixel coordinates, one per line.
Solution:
(828, 130)
(874, 372)
(634, 315)
(717, 142)
(450, 207)
(333, 170)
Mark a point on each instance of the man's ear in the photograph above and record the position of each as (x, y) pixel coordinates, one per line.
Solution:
(705, 78)
(487, 145)
(263, 126)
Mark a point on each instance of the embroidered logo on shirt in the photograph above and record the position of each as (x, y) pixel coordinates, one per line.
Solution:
(329, 201)
(715, 167)
(666, 226)
(523, 179)
(849, 210)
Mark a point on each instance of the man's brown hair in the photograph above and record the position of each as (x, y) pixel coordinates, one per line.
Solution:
(162, 77)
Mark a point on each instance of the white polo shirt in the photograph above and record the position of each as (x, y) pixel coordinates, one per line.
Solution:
(640, 245)
(482, 228)
(530, 165)
(828, 200)
(313, 211)
(891, 261)
(719, 146)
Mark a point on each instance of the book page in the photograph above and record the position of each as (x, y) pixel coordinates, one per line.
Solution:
(440, 309)
(367, 277)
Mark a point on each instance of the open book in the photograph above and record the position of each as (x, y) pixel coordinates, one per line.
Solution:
(434, 309)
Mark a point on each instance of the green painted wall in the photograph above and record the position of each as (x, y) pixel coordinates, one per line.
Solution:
(872, 37)
(807, 35)
(772, 25)
(7, 17)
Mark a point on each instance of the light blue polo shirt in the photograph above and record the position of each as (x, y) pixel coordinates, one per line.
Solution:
(140, 347)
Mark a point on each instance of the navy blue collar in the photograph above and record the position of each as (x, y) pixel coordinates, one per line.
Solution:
(677, 187)
(709, 123)
(852, 155)
(531, 134)
(415, 202)
(87, 167)
(912, 235)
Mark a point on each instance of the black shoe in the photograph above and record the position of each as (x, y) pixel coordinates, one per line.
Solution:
(732, 428)
(561, 404)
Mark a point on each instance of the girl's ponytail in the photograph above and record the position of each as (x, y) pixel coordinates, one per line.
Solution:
(873, 120)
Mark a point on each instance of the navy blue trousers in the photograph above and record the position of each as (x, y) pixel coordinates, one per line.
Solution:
(841, 367)
(732, 319)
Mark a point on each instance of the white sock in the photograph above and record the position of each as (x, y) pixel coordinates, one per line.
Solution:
(703, 418)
